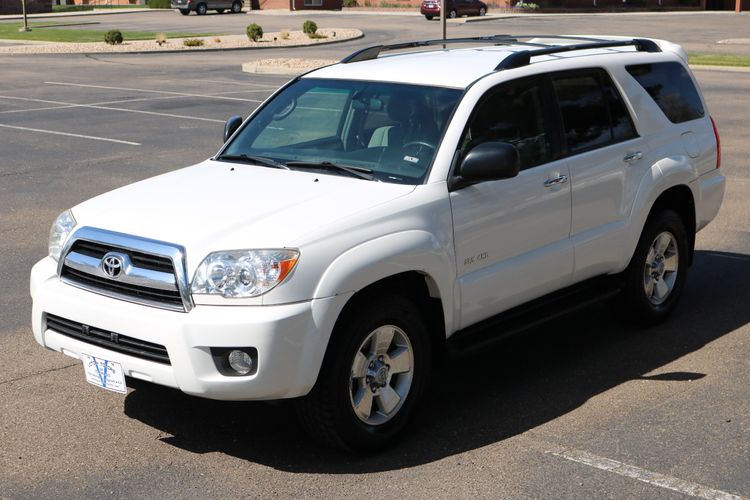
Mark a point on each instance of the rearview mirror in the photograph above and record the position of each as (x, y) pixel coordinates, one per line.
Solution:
(231, 126)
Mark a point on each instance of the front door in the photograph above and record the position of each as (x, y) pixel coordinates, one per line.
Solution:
(512, 236)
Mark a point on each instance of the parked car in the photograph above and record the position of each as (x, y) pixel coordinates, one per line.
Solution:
(455, 8)
(200, 7)
(373, 213)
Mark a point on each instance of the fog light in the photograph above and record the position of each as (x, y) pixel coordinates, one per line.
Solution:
(240, 361)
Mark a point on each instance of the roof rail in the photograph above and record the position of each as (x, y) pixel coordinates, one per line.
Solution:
(516, 59)
(373, 52)
(523, 57)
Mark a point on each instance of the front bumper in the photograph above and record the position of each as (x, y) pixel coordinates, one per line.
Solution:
(290, 339)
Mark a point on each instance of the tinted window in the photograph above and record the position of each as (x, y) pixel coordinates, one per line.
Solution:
(622, 125)
(513, 114)
(584, 112)
(672, 89)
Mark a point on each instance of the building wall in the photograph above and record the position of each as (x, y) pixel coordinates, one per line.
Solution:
(316, 4)
(32, 6)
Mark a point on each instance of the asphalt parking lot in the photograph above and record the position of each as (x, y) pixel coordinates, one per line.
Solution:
(581, 408)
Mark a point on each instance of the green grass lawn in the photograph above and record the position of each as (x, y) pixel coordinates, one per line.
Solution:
(44, 32)
(719, 59)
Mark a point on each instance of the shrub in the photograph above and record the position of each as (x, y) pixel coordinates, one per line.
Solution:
(192, 42)
(284, 34)
(309, 27)
(113, 37)
(159, 4)
(350, 3)
(254, 32)
(161, 39)
(217, 39)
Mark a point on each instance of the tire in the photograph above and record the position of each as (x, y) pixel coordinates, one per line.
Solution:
(359, 402)
(453, 14)
(201, 9)
(655, 277)
(236, 7)
(219, 11)
(429, 18)
(482, 11)
(184, 12)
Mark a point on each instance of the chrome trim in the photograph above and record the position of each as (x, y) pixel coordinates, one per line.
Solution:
(556, 181)
(130, 274)
(631, 157)
(175, 253)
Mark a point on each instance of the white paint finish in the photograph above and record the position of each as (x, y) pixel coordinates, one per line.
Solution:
(68, 134)
(127, 89)
(646, 476)
(512, 241)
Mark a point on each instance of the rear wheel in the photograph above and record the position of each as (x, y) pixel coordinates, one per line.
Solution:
(201, 9)
(373, 376)
(184, 12)
(236, 7)
(656, 275)
(482, 11)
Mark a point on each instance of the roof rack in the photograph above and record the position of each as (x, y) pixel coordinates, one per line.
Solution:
(516, 59)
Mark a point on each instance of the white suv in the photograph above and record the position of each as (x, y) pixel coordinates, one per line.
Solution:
(371, 212)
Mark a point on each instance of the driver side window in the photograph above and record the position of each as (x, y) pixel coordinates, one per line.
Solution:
(513, 113)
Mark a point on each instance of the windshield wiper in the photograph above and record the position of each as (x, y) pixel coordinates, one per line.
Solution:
(359, 172)
(255, 160)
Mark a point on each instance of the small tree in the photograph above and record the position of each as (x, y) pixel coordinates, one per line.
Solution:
(309, 27)
(113, 37)
(254, 32)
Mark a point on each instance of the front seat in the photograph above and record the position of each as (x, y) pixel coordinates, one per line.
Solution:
(412, 122)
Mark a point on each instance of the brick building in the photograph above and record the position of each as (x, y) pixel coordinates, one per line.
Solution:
(32, 6)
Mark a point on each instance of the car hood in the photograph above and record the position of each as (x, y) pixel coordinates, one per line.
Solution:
(228, 206)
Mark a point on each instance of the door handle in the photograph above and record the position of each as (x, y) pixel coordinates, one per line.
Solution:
(556, 181)
(631, 157)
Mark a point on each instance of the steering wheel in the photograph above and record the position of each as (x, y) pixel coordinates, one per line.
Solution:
(421, 144)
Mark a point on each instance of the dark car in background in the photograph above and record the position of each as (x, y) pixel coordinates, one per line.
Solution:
(455, 8)
(202, 6)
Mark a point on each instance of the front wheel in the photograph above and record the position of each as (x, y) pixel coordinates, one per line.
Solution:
(201, 9)
(453, 14)
(373, 376)
(482, 11)
(656, 275)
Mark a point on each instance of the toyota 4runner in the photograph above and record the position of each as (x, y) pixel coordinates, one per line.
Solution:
(371, 212)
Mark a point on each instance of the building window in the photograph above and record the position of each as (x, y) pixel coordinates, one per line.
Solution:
(313, 3)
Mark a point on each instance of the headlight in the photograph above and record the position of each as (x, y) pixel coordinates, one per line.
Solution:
(243, 273)
(59, 233)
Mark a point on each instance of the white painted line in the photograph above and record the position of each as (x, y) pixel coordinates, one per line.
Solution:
(47, 108)
(108, 108)
(67, 84)
(250, 84)
(54, 132)
(643, 475)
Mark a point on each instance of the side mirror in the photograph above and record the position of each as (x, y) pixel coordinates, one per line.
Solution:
(489, 161)
(231, 126)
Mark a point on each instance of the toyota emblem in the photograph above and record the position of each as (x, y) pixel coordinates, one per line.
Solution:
(112, 265)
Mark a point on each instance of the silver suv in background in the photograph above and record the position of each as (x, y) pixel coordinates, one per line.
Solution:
(200, 7)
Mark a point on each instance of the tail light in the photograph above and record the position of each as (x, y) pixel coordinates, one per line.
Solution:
(718, 143)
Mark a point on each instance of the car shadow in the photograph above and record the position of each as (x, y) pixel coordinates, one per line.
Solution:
(481, 399)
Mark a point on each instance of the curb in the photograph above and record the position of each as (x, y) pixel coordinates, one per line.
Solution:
(728, 69)
(260, 69)
(191, 50)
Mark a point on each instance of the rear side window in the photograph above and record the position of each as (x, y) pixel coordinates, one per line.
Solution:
(592, 111)
(670, 86)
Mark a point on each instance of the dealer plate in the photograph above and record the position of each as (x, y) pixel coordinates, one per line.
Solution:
(104, 373)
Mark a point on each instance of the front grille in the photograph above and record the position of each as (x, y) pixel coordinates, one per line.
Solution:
(109, 340)
(139, 259)
(146, 277)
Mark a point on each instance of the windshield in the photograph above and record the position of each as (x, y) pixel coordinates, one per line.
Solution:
(386, 129)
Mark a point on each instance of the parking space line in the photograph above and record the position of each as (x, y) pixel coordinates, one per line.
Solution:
(203, 96)
(68, 134)
(227, 82)
(643, 475)
(109, 108)
(47, 108)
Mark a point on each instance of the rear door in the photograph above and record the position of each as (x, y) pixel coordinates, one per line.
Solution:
(606, 158)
